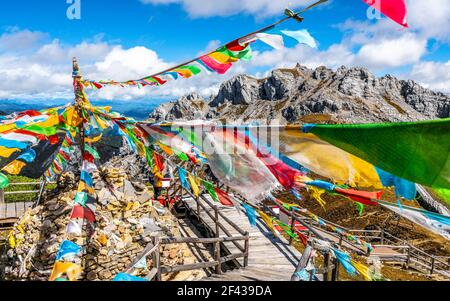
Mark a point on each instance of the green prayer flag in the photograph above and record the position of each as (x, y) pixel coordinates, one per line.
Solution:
(4, 181)
(360, 208)
(210, 188)
(287, 229)
(182, 156)
(81, 198)
(415, 151)
(194, 69)
(92, 151)
(245, 55)
(46, 131)
(443, 193)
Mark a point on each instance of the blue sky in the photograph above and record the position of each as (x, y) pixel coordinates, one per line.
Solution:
(130, 39)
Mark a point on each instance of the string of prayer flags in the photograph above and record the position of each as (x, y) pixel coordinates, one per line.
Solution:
(219, 61)
(437, 223)
(351, 238)
(417, 152)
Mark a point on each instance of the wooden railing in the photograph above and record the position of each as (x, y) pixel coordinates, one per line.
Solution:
(414, 257)
(220, 220)
(330, 264)
(11, 211)
(152, 249)
(39, 191)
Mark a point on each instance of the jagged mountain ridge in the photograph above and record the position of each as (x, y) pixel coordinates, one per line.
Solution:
(347, 95)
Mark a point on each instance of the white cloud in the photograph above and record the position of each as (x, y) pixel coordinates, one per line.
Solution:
(20, 40)
(433, 75)
(46, 72)
(390, 53)
(202, 8)
(431, 18)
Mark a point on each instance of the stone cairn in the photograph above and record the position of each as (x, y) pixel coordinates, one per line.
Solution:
(126, 220)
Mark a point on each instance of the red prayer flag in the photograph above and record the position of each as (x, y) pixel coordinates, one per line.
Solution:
(224, 198)
(97, 85)
(83, 212)
(88, 157)
(235, 46)
(393, 9)
(363, 197)
(30, 113)
(159, 161)
(159, 80)
(25, 132)
(64, 155)
(53, 139)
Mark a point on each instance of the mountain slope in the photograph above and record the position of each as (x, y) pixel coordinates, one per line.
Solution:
(347, 95)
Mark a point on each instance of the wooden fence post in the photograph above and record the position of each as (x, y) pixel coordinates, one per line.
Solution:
(2, 196)
(408, 258)
(246, 247)
(335, 272)
(292, 226)
(432, 265)
(217, 244)
(157, 258)
(326, 261)
(340, 239)
(198, 207)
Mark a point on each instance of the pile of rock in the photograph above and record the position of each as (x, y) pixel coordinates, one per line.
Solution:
(126, 221)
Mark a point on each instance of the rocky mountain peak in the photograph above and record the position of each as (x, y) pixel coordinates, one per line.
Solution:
(301, 94)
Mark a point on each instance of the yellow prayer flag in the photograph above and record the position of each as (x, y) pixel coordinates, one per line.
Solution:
(316, 193)
(327, 160)
(184, 72)
(223, 58)
(12, 240)
(83, 187)
(94, 139)
(52, 120)
(7, 152)
(194, 185)
(102, 123)
(363, 270)
(72, 271)
(267, 220)
(72, 117)
(7, 127)
(166, 149)
(14, 167)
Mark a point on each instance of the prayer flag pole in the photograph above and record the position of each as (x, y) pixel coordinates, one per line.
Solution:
(78, 90)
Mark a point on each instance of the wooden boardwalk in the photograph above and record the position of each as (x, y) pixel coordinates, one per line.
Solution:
(10, 212)
(270, 258)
